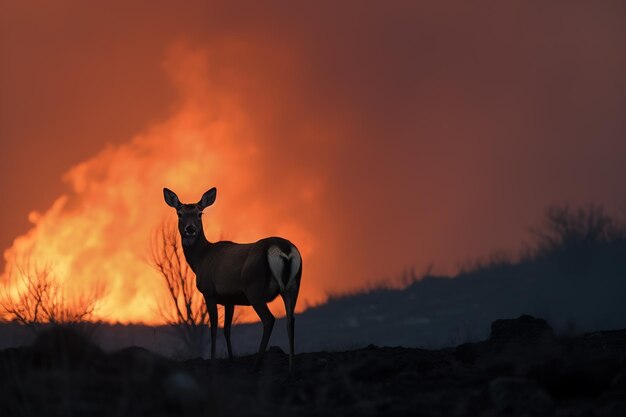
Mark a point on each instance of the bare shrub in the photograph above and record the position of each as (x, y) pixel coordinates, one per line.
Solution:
(575, 230)
(185, 310)
(496, 260)
(34, 296)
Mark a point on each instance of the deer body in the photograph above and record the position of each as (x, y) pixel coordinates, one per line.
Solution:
(232, 274)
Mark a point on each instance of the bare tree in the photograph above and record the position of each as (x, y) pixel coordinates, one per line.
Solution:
(33, 296)
(185, 309)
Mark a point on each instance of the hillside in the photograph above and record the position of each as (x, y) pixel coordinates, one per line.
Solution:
(521, 370)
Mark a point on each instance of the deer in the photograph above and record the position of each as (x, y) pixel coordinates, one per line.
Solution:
(239, 274)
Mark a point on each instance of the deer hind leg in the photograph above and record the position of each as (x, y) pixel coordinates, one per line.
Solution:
(268, 324)
(289, 299)
(228, 319)
(211, 306)
(287, 270)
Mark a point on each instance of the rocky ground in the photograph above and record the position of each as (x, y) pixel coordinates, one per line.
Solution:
(521, 370)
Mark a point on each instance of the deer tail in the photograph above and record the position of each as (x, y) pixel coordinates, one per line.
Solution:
(284, 266)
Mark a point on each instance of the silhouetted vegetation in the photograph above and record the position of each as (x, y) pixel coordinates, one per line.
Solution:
(568, 235)
(34, 296)
(575, 232)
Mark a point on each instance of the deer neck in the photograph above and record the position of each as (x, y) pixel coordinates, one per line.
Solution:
(196, 252)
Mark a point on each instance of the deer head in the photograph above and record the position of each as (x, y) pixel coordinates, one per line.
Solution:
(190, 215)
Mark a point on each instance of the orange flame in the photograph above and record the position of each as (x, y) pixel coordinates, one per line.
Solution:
(99, 232)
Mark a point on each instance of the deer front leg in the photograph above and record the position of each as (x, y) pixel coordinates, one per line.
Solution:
(211, 307)
(268, 324)
(228, 319)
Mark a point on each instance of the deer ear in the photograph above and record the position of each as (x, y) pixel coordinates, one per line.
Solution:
(208, 198)
(171, 198)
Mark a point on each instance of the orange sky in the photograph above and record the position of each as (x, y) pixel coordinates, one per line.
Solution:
(376, 137)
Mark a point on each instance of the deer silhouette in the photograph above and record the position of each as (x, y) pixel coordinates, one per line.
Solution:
(233, 274)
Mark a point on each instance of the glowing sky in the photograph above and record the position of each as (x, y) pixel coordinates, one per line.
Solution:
(376, 136)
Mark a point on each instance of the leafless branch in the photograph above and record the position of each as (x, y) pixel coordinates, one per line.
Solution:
(33, 295)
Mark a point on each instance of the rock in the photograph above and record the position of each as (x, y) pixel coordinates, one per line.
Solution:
(525, 328)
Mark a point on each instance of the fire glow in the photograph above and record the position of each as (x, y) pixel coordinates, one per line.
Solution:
(99, 232)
